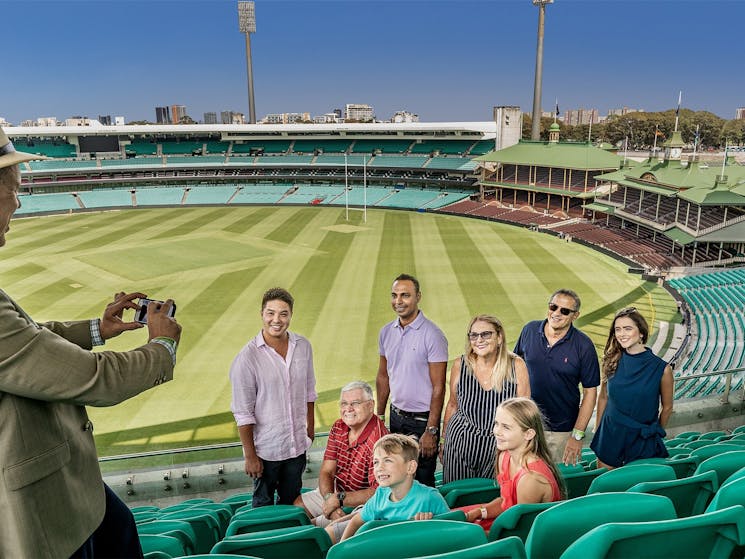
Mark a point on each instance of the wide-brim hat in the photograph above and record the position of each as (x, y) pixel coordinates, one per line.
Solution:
(8, 154)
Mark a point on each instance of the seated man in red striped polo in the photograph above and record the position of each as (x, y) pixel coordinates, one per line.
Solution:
(346, 478)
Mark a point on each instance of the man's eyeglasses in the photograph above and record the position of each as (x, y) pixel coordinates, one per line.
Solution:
(473, 336)
(355, 404)
(553, 307)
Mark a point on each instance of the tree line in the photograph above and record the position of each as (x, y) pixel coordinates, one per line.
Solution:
(640, 129)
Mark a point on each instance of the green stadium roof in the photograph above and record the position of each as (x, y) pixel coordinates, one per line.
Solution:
(679, 236)
(597, 206)
(562, 155)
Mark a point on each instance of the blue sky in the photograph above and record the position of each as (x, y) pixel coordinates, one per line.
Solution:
(446, 60)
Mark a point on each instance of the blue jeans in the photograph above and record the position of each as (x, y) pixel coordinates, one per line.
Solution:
(425, 472)
(283, 476)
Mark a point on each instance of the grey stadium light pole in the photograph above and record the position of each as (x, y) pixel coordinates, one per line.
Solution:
(535, 131)
(247, 25)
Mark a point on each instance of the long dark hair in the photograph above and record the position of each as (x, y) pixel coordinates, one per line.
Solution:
(613, 350)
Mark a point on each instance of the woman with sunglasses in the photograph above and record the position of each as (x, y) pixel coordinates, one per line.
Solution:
(481, 379)
(636, 395)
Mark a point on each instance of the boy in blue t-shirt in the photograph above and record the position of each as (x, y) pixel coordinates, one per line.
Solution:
(398, 496)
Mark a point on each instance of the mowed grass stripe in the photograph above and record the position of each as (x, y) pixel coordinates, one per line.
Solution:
(443, 301)
(292, 225)
(256, 216)
(200, 220)
(62, 231)
(395, 255)
(20, 273)
(320, 272)
(474, 272)
(549, 268)
(52, 293)
(337, 327)
(123, 230)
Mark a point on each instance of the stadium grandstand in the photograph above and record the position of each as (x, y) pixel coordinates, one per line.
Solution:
(677, 221)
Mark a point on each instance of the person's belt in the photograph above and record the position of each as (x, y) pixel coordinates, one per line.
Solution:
(419, 416)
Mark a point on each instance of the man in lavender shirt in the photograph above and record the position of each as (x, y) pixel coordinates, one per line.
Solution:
(273, 400)
(412, 369)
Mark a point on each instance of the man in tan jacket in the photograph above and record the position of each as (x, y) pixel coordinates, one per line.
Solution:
(53, 502)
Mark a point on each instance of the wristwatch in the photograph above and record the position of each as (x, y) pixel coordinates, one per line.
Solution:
(433, 430)
(578, 435)
(341, 495)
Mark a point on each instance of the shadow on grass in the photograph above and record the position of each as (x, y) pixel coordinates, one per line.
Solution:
(178, 434)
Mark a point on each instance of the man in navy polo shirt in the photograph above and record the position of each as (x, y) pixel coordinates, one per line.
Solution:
(560, 358)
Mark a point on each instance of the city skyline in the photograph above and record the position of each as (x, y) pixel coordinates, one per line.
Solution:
(444, 60)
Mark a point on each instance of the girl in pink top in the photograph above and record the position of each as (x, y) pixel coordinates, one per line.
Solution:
(523, 465)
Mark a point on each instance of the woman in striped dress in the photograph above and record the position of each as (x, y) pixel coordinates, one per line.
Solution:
(486, 375)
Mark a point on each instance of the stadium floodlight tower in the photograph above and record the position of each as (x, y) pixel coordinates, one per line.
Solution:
(247, 25)
(535, 132)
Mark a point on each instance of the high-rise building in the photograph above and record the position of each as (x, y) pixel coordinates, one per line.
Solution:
(404, 116)
(177, 113)
(105, 120)
(623, 111)
(740, 113)
(359, 113)
(162, 115)
(210, 118)
(574, 117)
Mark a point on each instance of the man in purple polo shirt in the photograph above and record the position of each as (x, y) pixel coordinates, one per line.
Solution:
(412, 369)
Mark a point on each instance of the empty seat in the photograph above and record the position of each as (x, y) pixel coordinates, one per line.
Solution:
(555, 529)
(410, 539)
(713, 535)
(689, 495)
(165, 544)
(620, 479)
(506, 548)
(308, 542)
(517, 520)
(724, 464)
(178, 529)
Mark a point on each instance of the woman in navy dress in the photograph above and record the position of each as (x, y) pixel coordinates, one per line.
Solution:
(636, 395)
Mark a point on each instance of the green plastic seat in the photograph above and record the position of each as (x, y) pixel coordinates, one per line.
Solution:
(204, 523)
(684, 465)
(145, 508)
(713, 535)
(698, 443)
(724, 464)
(467, 483)
(411, 538)
(165, 544)
(238, 500)
(178, 529)
(565, 469)
(458, 515)
(517, 520)
(713, 449)
(555, 529)
(506, 548)
(474, 496)
(735, 475)
(307, 542)
(156, 555)
(145, 516)
(578, 483)
(246, 523)
(620, 479)
(223, 512)
(267, 511)
(689, 495)
(710, 435)
(690, 435)
(738, 430)
(728, 495)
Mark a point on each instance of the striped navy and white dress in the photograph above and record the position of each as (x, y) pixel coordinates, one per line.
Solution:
(470, 446)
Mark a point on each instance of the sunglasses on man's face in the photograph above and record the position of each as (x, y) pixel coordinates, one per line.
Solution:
(553, 307)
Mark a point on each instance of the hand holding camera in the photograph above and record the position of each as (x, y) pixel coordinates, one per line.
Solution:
(158, 316)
